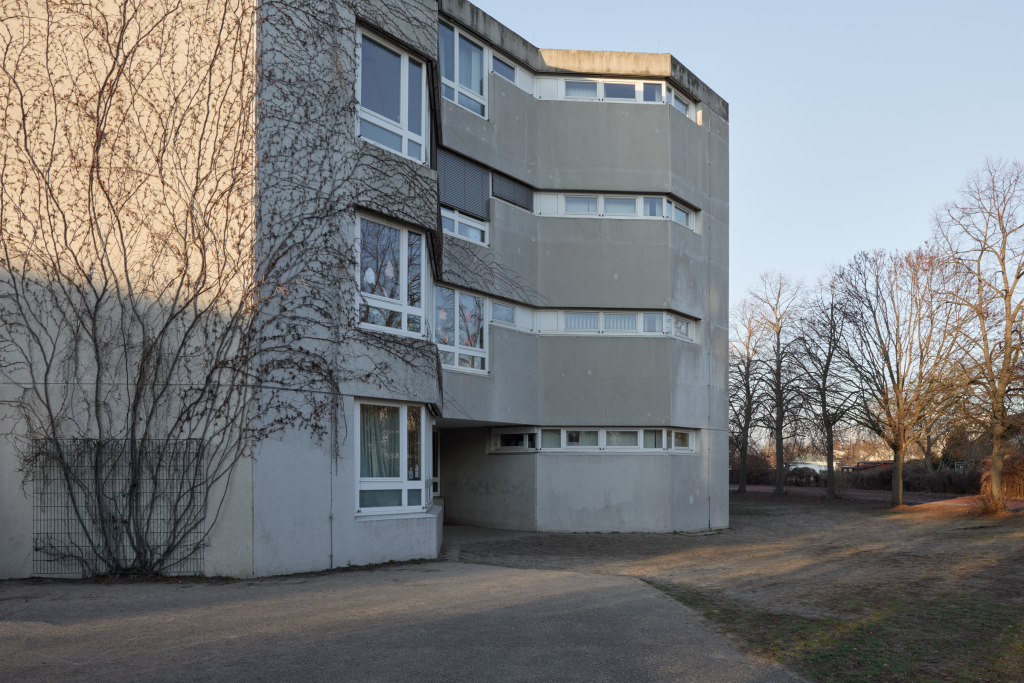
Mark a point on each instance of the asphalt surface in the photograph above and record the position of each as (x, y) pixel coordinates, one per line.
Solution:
(443, 621)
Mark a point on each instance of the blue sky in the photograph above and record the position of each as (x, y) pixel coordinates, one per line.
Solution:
(850, 123)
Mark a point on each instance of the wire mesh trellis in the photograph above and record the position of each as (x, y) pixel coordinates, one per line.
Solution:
(118, 506)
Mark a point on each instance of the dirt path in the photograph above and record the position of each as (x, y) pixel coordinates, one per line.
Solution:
(909, 498)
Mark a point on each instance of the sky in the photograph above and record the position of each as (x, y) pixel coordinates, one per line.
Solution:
(850, 123)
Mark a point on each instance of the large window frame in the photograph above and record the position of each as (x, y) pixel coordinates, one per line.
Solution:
(413, 320)
(559, 204)
(459, 356)
(405, 481)
(456, 221)
(413, 145)
(452, 88)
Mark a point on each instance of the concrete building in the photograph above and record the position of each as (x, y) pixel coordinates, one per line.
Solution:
(554, 225)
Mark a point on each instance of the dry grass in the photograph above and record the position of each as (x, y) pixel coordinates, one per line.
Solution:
(842, 590)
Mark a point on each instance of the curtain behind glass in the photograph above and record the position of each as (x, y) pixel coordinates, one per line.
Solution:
(619, 321)
(379, 446)
(471, 66)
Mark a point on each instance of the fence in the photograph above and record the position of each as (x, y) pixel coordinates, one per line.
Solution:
(118, 506)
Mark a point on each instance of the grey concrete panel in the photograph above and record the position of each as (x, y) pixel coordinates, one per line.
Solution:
(689, 272)
(509, 393)
(688, 385)
(230, 549)
(689, 160)
(605, 381)
(719, 478)
(717, 234)
(487, 489)
(291, 506)
(690, 492)
(719, 167)
(606, 263)
(604, 492)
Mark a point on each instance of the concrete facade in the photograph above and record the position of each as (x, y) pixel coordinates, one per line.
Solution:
(300, 502)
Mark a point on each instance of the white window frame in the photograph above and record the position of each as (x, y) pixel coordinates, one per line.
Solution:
(558, 201)
(671, 94)
(504, 323)
(506, 62)
(689, 335)
(460, 217)
(402, 305)
(667, 439)
(402, 482)
(457, 348)
(692, 448)
(498, 432)
(401, 128)
(486, 68)
(557, 86)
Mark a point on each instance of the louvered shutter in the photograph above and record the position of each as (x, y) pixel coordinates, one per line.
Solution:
(513, 191)
(464, 185)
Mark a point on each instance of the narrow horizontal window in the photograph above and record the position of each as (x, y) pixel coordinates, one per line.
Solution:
(682, 439)
(551, 438)
(621, 439)
(681, 105)
(580, 438)
(513, 441)
(472, 362)
(652, 207)
(382, 317)
(581, 321)
(653, 322)
(652, 92)
(380, 498)
(581, 204)
(504, 69)
(470, 232)
(503, 313)
(620, 321)
(681, 216)
(652, 438)
(620, 205)
(581, 89)
(619, 91)
(471, 104)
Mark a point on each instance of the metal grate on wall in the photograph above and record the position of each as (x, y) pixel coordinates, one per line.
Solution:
(463, 185)
(118, 507)
(512, 191)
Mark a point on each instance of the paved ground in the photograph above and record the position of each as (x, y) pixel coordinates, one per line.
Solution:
(446, 621)
(909, 498)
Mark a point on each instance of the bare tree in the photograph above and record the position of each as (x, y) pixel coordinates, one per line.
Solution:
(902, 346)
(982, 236)
(745, 390)
(826, 383)
(779, 301)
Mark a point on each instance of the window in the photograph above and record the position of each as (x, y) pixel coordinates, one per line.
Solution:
(392, 99)
(551, 438)
(581, 89)
(500, 313)
(682, 441)
(652, 438)
(390, 277)
(504, 69)
(652, 92)
(680, 215)
(617, 322)
(620, 91)
(622, 206)
(580, 204)
(621, 439)
(514, 439)
(454, 223)
(653, 322)
(391, 458)
(462, 70)
(577, 438)
(681, 327)
(459, 329)
(681, 103)
(581, 321)
(652, 207)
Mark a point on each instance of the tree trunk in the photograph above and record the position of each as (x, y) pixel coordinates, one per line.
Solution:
(996, 466)
(743, 465)
(780, 470)
(830, 485)
(897, 475)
